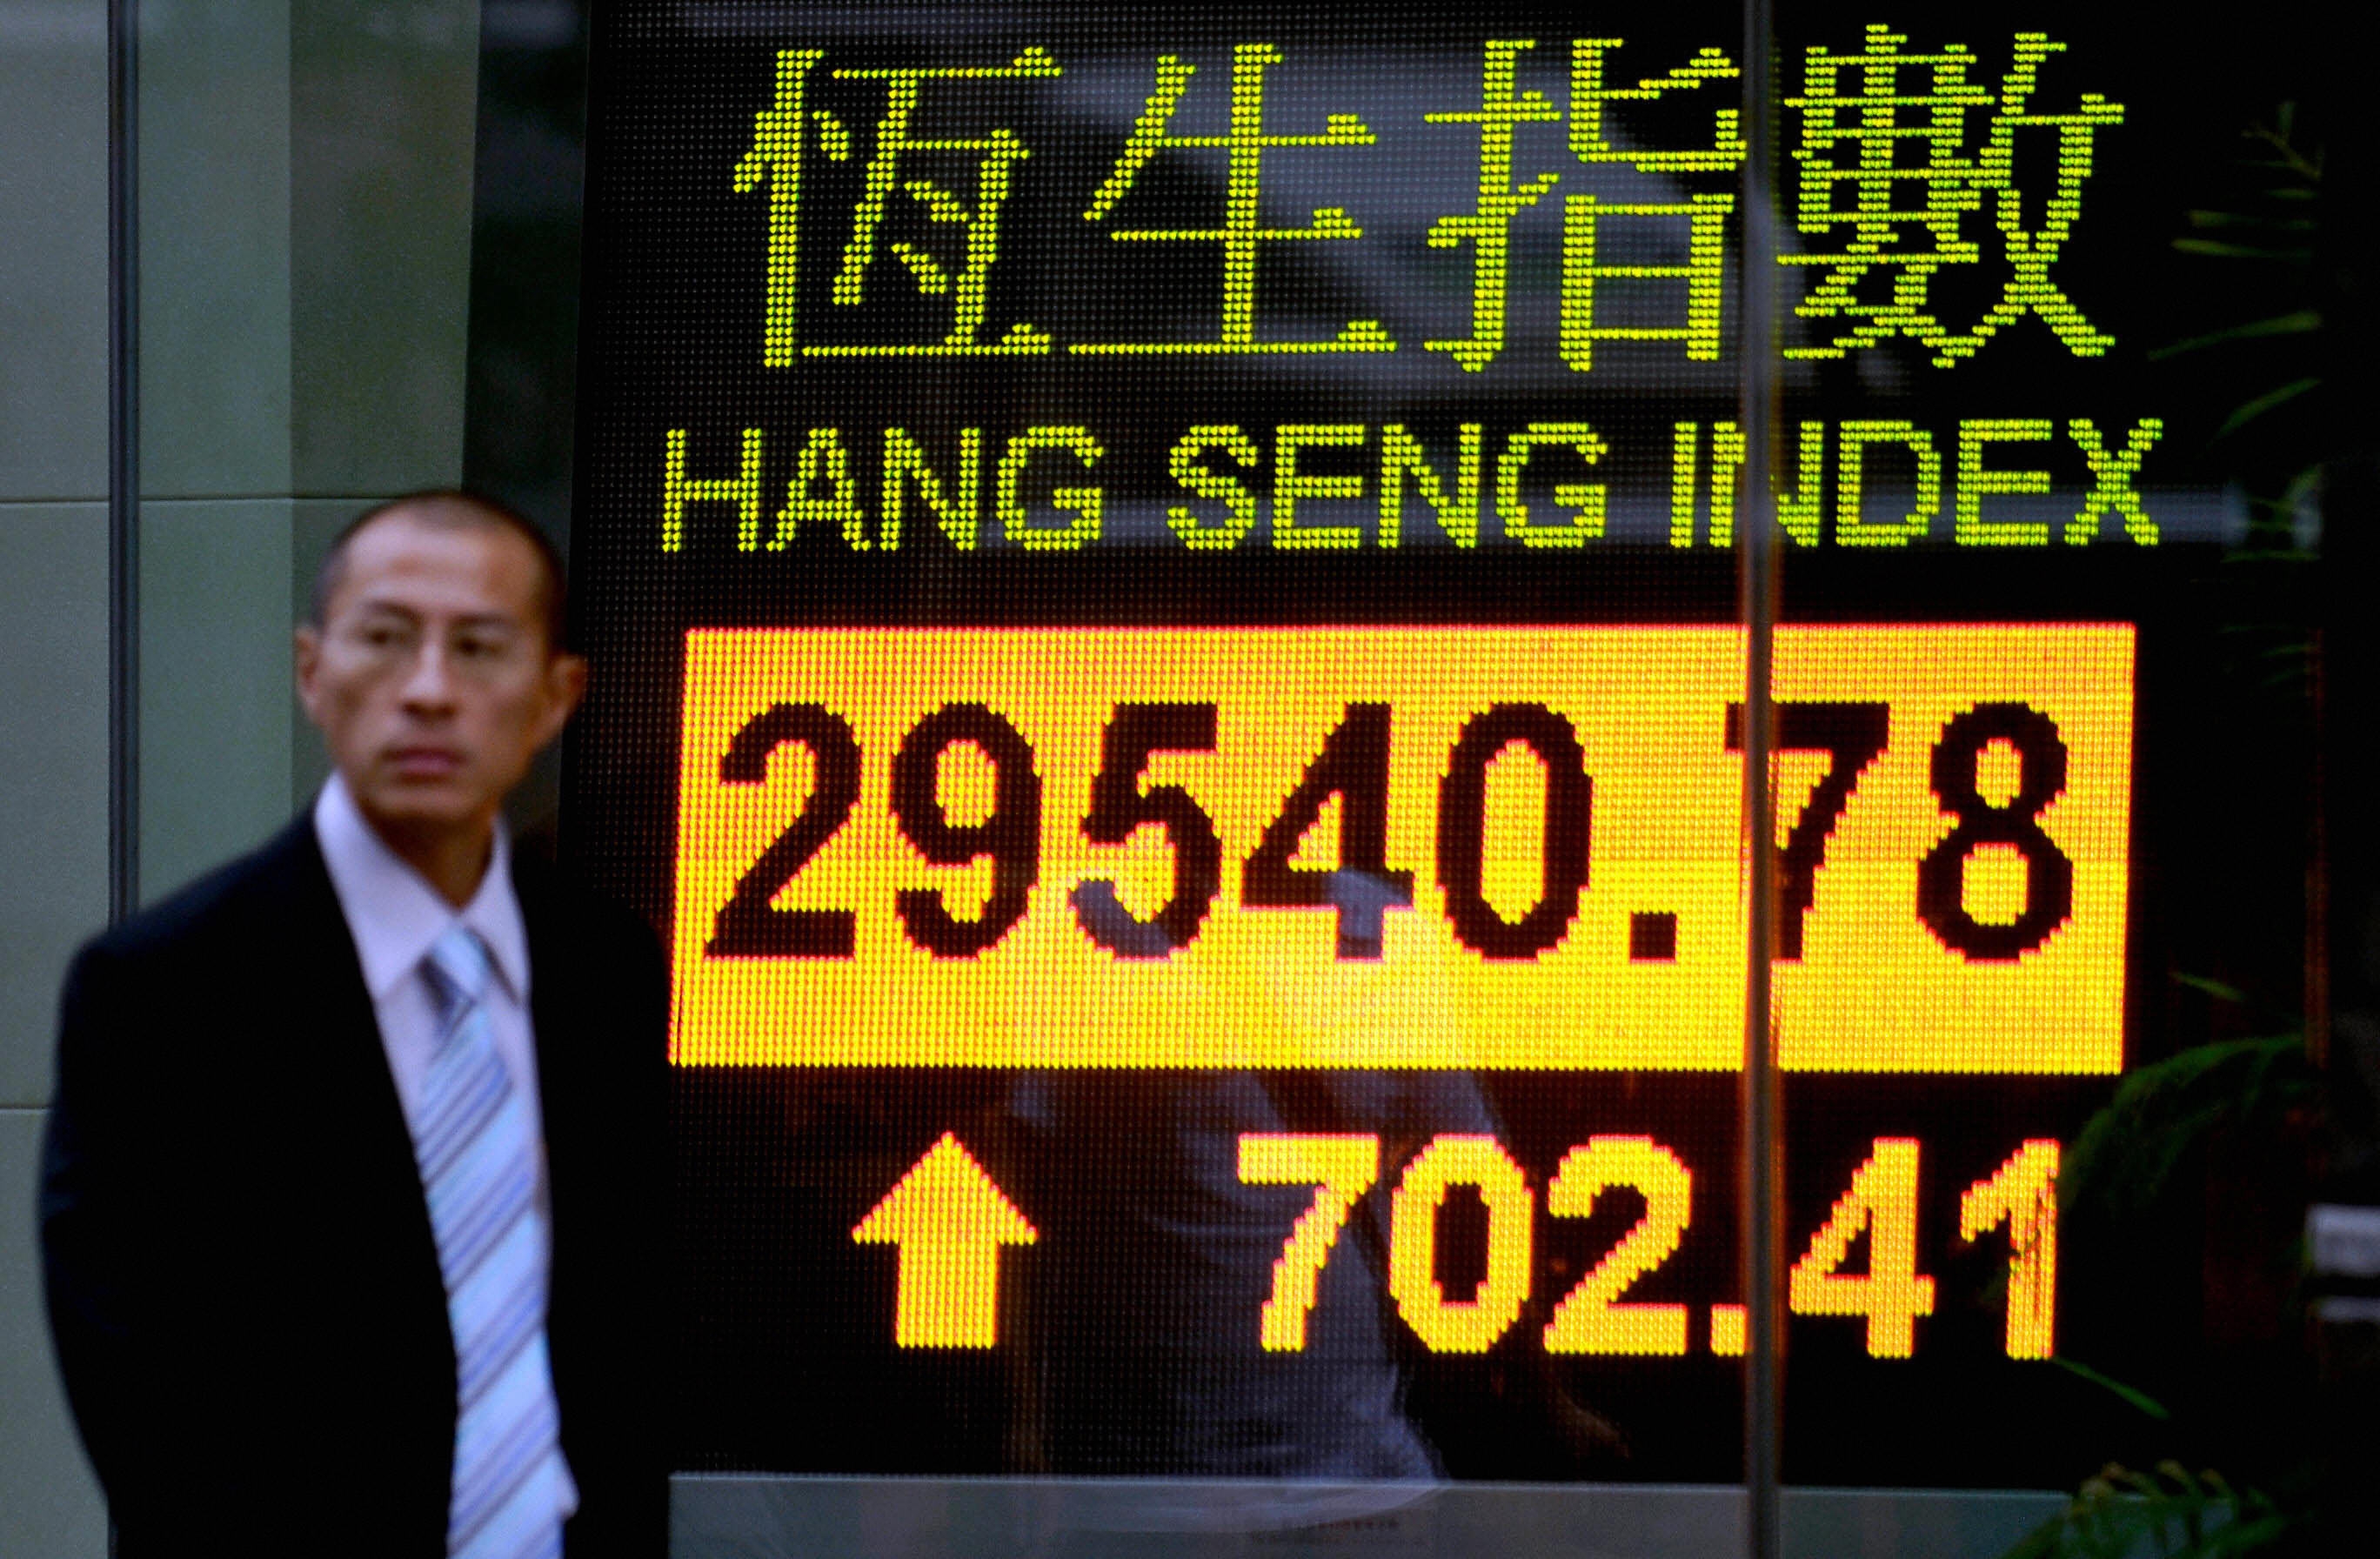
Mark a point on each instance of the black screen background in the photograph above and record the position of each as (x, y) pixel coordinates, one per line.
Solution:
(784, 1357)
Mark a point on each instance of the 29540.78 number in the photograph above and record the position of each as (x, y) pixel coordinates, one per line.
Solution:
(1352, 768)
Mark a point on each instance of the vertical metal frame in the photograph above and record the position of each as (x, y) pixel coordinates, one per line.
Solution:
(123, 474)
(123, 460)
(1762, 1131)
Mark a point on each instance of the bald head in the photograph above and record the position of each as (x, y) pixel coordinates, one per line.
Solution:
(448, 510)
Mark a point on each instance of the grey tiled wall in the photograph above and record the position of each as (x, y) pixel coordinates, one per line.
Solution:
(53, 684)
(215, 695)
(54, 786)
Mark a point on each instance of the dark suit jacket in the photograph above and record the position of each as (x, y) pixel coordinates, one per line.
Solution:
(242, 1279)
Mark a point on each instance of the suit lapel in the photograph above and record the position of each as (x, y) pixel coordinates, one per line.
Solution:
(334, 1020)
(326, 979)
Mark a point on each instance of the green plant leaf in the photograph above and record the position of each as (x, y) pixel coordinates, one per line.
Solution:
(2240, 251)
(2123, 1161)
(2266, 402)
(2295, 324)
(2120, 1514)
(2241, 219)
(2137, 1398)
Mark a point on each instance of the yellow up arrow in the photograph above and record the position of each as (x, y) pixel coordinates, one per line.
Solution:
(950, 1221)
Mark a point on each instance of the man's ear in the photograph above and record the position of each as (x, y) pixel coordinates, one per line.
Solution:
(309, 658)
(565, 684)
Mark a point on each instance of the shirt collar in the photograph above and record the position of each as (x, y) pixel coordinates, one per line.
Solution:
(393, 913)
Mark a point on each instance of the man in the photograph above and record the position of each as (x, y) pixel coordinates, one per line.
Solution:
(348, 1201)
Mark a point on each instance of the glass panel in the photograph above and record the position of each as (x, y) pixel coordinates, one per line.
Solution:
(2050, 487)
(1143, 665)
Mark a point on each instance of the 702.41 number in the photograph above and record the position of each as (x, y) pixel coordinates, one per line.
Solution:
(1881, 1202)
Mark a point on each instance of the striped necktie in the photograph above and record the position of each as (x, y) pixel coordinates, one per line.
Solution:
(477, 1148)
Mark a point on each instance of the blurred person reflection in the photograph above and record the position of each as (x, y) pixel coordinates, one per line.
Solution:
(1157, 1259)
(1168, 1235)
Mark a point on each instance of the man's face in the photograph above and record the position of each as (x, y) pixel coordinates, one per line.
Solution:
(430, 675)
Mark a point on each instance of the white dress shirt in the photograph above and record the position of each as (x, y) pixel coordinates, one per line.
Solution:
(396, 917)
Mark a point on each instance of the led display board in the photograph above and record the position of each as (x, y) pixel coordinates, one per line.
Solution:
(1168, 665)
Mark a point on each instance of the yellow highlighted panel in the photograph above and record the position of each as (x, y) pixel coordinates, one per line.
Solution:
(884, 837)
